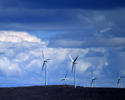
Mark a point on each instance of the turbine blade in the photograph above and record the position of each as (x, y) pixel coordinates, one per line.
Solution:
(43, 66)
(70, 58)
(43, 55)
(66, 75)
(93, 78)
(76, 58)
(48, 59)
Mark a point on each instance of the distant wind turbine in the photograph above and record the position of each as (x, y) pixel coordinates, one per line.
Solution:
(74, 68)
(65, 78)
(92, 81)
(44, 66)
(119, 83)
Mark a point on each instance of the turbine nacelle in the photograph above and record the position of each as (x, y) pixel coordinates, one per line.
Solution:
(73, 60)
(46, 60)
(64, 79)
(94, 78)
(122, 77)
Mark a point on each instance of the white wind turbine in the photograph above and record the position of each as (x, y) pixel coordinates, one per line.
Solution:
(93, 80)
(74, 68)
(44, 66)
(119, 83)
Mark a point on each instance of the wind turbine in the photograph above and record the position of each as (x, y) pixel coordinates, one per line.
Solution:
(65, 78)
(119, 84)
(92, 81)
(74, 67)
(44, 66)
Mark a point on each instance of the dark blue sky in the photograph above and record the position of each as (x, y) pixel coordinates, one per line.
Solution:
(92, 29)
(63, 4)
(42, 15)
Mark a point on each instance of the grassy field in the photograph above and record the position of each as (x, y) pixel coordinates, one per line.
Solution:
(61, 93)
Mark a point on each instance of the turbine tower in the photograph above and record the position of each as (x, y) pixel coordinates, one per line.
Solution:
(74, 68)
(119, 83)
(92, 81)
(44, 67)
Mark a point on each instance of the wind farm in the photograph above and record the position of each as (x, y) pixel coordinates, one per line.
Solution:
(70, 89)
(70, 78)
(62, 49)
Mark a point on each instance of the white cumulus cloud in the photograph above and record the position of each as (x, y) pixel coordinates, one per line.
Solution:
(15, 36)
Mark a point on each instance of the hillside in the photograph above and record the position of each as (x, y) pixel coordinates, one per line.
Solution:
(61, 93)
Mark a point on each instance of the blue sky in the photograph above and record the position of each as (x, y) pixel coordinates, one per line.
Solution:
(92, 29)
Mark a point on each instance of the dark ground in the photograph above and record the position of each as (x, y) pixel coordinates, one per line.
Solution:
(61, 93)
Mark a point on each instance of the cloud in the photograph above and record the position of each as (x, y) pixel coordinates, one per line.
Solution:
(106, 29)
(82, 66)
(9, 68)
(94, 29)
(62, 20)
(92, 53)
(66, 43)
(14, 48)
(94, 42)
(21, 57)
(14, 37)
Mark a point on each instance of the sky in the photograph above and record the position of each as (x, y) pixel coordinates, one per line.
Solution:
(91, 29)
